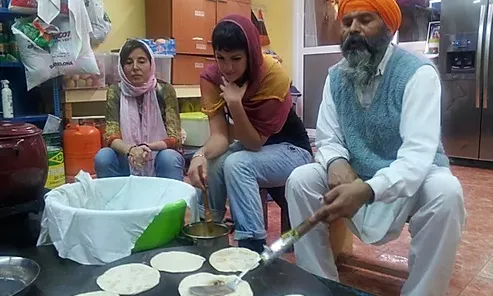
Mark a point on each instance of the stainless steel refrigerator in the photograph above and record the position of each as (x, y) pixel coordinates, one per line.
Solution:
(466, 70)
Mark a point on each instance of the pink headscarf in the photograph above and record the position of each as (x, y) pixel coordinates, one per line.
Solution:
(134, 130)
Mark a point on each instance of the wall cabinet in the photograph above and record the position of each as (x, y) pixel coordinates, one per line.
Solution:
(225, 7)
(190, 23)
(187, 68)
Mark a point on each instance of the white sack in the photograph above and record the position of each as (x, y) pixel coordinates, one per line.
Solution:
(41, 65)
(100, 21)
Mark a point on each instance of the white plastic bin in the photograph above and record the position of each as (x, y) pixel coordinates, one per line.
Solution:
(196, 125)
(94, 222)
(163, 67)
(111, 68)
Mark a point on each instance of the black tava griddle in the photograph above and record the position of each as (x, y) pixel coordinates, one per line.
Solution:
(279, 279)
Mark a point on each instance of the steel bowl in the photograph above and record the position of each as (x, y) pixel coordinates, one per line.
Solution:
(17, 275)
(208, 235)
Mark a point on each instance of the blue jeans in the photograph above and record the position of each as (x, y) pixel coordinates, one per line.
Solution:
(239, 173)
(168, 164)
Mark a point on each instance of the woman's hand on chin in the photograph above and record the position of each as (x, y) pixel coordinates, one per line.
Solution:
(232, 93)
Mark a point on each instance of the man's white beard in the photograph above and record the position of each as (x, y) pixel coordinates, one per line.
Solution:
(360, 66)
(359, 69)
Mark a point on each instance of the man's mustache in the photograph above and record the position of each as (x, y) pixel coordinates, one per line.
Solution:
(355, 42)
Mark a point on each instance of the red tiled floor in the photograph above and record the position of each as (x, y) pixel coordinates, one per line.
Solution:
(473, 271)
(487, 270)
(480, 286)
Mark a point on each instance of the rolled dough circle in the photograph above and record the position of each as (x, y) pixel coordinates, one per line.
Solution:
(129, 279)
(98, 293)
(233, 259)
(206, 279)
(177, 262)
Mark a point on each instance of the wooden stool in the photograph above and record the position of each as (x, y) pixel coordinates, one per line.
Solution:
(278, 195)
(341, 238)
(370, 264)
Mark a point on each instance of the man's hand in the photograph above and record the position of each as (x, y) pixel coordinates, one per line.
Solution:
(340, 172)
(344, 201)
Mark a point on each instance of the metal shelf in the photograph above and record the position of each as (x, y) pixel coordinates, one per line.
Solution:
(42, 117)
(11, 65)
(30, 118)
(6, 13)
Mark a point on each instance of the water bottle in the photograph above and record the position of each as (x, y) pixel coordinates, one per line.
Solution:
(7, 104)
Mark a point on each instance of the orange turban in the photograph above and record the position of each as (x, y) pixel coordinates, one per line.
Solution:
(388, 10)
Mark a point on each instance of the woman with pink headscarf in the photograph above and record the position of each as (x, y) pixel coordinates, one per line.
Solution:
(142, 121)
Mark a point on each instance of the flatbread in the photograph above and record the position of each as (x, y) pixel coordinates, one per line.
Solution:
(98, 293)
(206, 279)
(129, 279)
(233, 259)
(177, 262)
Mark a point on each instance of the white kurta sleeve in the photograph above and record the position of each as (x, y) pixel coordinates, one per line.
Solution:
(420, 133)
(329, 139)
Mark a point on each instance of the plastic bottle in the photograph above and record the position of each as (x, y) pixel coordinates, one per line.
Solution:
(7, 104)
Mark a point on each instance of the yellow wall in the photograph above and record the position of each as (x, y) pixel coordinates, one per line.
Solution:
(278, 17)
(128, 20)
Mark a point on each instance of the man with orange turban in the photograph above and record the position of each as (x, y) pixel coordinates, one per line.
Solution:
(380, 159)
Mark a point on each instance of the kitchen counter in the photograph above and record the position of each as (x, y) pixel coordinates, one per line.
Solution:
(64, 277)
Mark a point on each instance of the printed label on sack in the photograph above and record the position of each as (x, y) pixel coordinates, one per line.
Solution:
(201, 46)
(55, 159)
(56, 169)
(199, 65)
(199, 13)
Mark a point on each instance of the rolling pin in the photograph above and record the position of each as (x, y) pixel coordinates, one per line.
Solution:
(205, 197)
(287, 240)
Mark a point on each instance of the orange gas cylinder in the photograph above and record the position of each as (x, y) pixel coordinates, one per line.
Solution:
(80, 145)
(102, 129)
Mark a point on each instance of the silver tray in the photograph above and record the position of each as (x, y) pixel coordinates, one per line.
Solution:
(17, 275)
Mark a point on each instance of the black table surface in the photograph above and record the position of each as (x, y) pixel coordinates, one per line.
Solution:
(66, 278)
